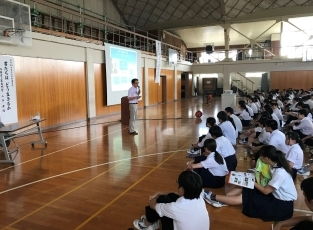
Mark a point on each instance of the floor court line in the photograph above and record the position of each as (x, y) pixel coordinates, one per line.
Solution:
(47, 204)
(94, 166)
(301, 210)
(120, 162)
(36, 158)
(123, 193)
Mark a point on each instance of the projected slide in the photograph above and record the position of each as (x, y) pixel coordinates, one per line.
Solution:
(124, 68)
(122, 65)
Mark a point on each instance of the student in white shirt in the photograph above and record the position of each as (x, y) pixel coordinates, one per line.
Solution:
(251, 103)
(301, 222)
(279, 103)
(224, 147)
(198, 148)
(262, 137)
(181, 210)
(269, 109)
(230, 112)
(305, 127)
(211, 167)
(228, 128)
(277, 112)
(308, 101)
(273, 202)
(277, 138)
(295, 153)
(245, 116)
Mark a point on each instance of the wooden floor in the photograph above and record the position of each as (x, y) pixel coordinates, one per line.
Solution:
(97, 176)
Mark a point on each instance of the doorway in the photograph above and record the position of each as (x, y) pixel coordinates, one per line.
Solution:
(162, 90)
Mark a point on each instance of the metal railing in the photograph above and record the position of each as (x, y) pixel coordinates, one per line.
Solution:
(243, 83)
(60, 20)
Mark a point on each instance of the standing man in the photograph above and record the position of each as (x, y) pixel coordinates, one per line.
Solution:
(133, 96)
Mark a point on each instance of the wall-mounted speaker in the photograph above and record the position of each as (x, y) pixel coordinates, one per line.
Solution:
(209, 49)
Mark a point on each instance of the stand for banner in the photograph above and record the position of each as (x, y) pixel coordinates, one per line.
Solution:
(125, 111)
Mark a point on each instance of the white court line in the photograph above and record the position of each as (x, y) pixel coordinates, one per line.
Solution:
(76, 145)
(94, 166)
(305, 211)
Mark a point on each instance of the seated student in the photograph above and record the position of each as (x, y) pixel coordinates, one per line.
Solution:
(261, 138)
(211, 168)
(277, 138)
(224, 147)
(277, 112)
(269, 109)
(295, 153)
(198, 148)
(227, 127)
(230, 113)
(183, 210)
(305, 127)
(244, 115)
(251, 103)
(273, 202)
(301, 222)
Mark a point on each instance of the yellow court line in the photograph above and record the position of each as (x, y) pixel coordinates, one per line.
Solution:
(123, 193)
(31, 213)
(69, 192)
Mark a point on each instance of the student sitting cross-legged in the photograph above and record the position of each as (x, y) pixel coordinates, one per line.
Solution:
(184, 210)
(273, 202)
(212, 168)
(301, 222)
(224, 147)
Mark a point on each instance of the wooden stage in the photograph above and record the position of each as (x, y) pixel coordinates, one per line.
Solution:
(96, 176)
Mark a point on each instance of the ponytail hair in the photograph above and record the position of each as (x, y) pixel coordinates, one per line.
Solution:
(278, 157)
(210, 144)
(244, 107)
(295, 136)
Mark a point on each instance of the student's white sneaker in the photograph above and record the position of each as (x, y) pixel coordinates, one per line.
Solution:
(207, 196)
(303, 172)
(218, 204)
(242, 142)
(193, 153)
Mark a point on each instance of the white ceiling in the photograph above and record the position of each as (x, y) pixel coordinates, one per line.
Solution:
(199, 22)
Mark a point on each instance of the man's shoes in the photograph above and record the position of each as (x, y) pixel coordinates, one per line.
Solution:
(134, 133)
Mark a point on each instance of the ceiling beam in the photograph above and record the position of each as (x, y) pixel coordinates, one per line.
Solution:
(120, 12)
(265, 15)
(223, 10)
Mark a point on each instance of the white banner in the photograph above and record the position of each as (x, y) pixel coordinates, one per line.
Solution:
(7, 90)
(158, 49)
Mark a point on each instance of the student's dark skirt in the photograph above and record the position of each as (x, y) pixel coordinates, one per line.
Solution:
(231, 162)
(208, 179)
(245, 122)
(266, 207)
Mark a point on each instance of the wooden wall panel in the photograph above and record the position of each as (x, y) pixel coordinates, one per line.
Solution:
(55, 88)
(153, 87)
(291, 79)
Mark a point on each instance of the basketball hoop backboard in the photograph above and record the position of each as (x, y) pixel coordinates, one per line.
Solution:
(15, 24)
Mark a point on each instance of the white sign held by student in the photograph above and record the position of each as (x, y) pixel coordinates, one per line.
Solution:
(8, 103)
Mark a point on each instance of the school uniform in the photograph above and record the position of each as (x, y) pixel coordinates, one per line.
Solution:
(254, 109)
(258, 105)
(278, 114)
(310, 103)
(295, 155)
(203, 138)
(304, 128)
(264, 137)
(226, 149)
(212, 174)
(246, 118)
(274, 117)
(280, 104)
(310, 117)
(180, 213)
(229, 131)
(278, 205)
(250, 110)
(277, 139)
(237, 122)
